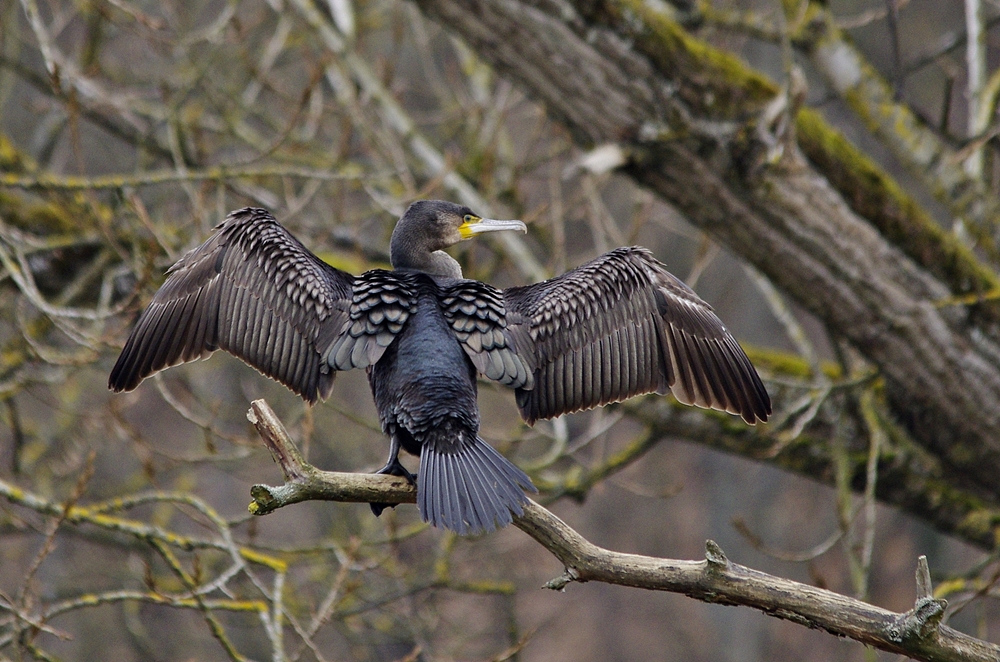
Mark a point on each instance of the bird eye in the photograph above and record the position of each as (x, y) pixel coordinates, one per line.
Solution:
(468, 218)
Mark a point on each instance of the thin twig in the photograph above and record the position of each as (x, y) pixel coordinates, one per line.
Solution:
(222, 173)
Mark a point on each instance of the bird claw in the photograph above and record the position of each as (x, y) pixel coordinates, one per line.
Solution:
(393, 468)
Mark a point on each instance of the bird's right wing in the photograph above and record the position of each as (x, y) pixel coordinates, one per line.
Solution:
(256, 292)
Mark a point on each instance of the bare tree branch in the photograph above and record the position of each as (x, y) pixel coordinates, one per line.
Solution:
(917, 633)
(909, 478)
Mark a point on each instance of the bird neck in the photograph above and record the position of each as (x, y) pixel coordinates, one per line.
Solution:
(433, 263)
(437, 263)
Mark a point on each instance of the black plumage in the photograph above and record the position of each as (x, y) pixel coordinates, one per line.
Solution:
(616, 327)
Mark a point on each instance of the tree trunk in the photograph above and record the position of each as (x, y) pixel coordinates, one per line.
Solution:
(815, 216)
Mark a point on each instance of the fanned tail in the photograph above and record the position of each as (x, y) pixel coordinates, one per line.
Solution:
(471, 490)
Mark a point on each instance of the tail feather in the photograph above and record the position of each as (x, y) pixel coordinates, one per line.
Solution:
(468, 483)
(470, 491)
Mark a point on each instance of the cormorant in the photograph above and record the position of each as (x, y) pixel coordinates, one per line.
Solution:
(618, 326)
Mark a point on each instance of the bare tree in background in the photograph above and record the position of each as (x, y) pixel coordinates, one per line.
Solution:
(824, 174)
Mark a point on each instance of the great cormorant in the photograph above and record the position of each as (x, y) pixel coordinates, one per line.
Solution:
(613, 328)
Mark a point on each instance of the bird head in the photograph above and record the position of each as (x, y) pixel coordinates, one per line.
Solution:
(431, 225)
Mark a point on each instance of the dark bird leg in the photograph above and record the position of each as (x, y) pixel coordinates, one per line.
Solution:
(393, 467)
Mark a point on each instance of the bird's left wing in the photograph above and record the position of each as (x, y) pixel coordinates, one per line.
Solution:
(253, 290)
(619, 326)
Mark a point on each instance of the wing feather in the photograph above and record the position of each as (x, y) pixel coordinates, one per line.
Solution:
(478, 318)
(620, 326)
(381, 303)
(614, 373)
(200, 338)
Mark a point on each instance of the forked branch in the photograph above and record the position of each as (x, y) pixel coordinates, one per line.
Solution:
(917, 633)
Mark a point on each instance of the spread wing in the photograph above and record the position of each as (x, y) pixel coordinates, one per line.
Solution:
(253, 290)
(620, 326)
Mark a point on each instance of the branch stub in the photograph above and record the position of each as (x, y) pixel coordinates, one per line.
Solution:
(715, 556)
